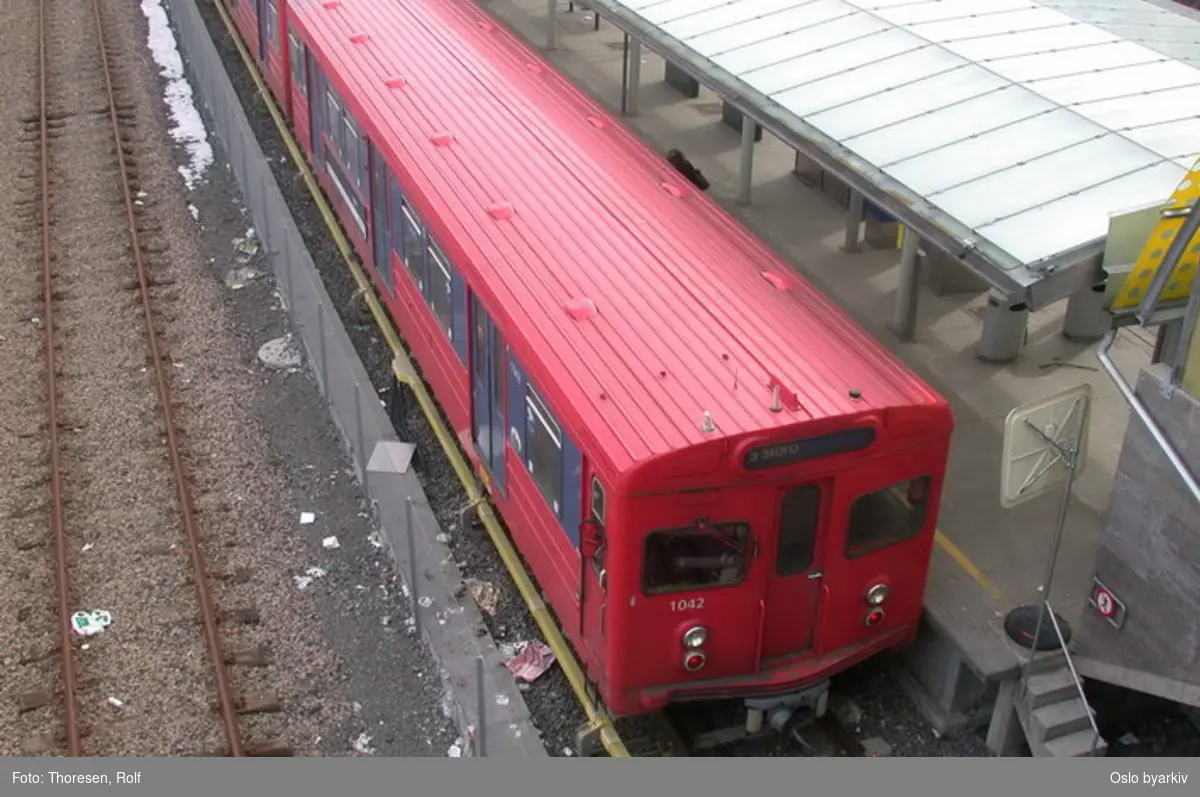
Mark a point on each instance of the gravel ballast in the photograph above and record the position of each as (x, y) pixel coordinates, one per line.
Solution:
(259, 449)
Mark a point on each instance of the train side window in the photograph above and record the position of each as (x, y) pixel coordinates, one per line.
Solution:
(597, 501)
(296, 57)
(333, 119)
(350, 153)
(396, 202)
(799, 519)
(544, 450)
(886, 517)
(695, 557)
(272, 25)
(414, 245)
(441, 288)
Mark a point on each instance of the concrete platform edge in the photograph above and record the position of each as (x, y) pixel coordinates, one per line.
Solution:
(450, 627)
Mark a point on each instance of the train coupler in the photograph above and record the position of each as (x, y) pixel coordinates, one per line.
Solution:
(778, 710)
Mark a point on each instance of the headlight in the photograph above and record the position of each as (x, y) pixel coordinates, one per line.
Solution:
(877, 594)
(695, 637)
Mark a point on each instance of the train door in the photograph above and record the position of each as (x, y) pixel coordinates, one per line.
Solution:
(381, 240)
(316, 110)
(794, 580)
(593, 573)
(264, 20)
(487, 390)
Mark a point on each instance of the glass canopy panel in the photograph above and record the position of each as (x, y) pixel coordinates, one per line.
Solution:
(1044, 180)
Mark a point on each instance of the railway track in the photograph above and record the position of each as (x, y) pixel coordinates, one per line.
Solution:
(118, 473)
(714, 729)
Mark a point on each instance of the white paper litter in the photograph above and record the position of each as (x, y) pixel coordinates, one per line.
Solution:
(115, 703)
(307, 517)
(362, 744)
(330, 543)
(310, 575)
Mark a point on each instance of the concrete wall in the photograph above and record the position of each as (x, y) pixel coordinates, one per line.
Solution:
(1150, 557)
(1191, 368)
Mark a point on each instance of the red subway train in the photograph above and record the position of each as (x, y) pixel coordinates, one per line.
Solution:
(723, 485)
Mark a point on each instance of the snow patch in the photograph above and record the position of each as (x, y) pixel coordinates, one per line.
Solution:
(189, 127)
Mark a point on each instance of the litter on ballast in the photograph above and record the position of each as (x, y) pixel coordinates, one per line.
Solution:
(456, 749)
(91, 623)
(310, 575)
(532, 662)
(1128, 740)
(239, 278)
(362, 744)
(330, 543)
(87, 547)
(246, 245)
(485, 593)
(115, 702)
(306, 518)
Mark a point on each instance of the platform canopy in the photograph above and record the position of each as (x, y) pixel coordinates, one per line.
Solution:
(1003, 131)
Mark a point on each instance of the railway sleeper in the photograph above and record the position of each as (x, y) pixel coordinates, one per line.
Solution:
(254, 703)
(248, 616)
(248, 657)
(239, 575)
(257, 750)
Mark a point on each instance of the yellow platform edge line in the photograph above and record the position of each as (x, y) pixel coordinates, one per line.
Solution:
(963, 561)
(402, 368)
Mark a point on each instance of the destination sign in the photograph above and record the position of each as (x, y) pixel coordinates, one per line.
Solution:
(775, 455)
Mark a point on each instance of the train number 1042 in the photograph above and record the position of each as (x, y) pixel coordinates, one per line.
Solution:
(687, 605)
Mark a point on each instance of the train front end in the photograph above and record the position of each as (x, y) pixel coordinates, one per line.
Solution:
(760, 567)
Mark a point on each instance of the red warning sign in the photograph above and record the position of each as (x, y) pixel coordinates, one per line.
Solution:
(1106, 604)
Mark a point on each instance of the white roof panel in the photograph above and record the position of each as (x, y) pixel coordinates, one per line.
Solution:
(986, 117)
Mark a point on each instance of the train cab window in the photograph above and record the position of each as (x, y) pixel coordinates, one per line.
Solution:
(441, 288)
(886, 517)
(696, 557)
(799, 516)
(296, 58)
(544, 450)
(414, 245)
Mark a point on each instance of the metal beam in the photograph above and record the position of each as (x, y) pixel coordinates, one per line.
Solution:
(854, 218)
(551, 24)
(746, 168)
(904, 311)
(632, 72)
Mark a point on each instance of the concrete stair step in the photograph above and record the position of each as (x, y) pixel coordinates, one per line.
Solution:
(1046, 688)
(1058, 719)
(1046, 662)
(1076, 745)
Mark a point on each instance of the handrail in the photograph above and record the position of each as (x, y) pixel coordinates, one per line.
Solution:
(1062, 643)
(1144, 415)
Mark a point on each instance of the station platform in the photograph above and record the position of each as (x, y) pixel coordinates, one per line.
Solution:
(987, 559)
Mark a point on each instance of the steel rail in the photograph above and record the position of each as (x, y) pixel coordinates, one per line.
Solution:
(58, 530)
(225, 699)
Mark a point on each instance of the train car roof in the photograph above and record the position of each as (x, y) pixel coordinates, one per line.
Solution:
(643, 303)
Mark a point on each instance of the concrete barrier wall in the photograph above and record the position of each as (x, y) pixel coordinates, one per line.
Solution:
(449, 626)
